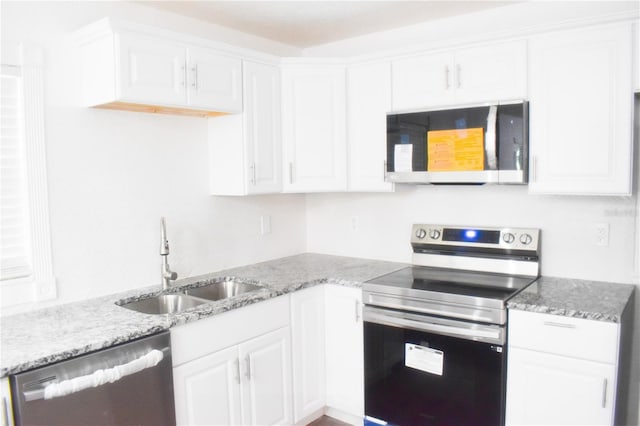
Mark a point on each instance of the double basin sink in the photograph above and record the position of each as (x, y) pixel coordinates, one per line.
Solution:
(190, 298)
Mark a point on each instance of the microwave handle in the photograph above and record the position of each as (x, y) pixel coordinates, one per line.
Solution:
(490, 138)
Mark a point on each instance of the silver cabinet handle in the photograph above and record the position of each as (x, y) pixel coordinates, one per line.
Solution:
(384, 170)
(253, 173)
(184, 74)
(247, 360)
(357, 310)
(238, 370)
(604, 393)
(446, 78)
(195, 76)
(290, 172)
(458, 73)
(559, 324)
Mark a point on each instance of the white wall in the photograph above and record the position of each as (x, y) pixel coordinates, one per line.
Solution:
(567, 223)
(113, 174)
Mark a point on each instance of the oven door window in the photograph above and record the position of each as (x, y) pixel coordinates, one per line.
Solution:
(452, 382)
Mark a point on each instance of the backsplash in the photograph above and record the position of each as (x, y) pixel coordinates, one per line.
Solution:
(379, 225)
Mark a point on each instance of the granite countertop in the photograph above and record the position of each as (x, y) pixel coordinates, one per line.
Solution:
(594, 300)
(33, 339)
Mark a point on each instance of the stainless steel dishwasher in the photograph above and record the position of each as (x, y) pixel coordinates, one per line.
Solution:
(128, 384)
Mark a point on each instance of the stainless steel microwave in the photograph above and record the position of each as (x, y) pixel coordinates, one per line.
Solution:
(463, 145)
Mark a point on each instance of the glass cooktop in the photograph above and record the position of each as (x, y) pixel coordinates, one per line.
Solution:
(464, 283)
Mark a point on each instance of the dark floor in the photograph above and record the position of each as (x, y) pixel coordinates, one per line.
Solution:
(327, 421)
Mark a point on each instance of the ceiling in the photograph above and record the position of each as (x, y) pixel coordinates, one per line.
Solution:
(304, 24)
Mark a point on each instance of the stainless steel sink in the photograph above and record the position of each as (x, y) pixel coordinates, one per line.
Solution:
(164, 304)
(222, 290)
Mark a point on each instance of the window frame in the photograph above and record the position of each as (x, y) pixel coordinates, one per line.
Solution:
(18, 293)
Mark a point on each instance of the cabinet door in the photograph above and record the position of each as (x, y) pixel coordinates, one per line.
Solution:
(344, 349)
(308, 350)
(262, 128)
(266, 387)
(152, 71)
(207, 390)
(422, 81)
(544, 389)
(368, 102)
(491, 73)
(214, 81)
(580, 111)
(314, 129)
(5, 395)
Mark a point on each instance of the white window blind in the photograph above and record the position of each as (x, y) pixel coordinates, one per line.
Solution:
(15, 253)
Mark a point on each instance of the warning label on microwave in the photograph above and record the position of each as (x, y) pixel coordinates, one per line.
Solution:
(423, 358)
(455, 150)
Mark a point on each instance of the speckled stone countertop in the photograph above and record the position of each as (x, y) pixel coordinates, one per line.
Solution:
(594, 300)
(41, 337)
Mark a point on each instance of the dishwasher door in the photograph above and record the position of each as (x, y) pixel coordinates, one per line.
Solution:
(128, 384)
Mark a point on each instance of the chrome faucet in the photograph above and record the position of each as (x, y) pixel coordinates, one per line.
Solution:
(166, 273)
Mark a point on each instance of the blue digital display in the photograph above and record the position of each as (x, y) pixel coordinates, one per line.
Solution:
(470, 235)
(483, 236)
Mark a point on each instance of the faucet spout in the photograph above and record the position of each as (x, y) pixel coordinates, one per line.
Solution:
(166, 274)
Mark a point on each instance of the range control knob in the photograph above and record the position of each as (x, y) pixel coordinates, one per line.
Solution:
(526, 239)
(434, 234)
(508, 238)
(421, 233)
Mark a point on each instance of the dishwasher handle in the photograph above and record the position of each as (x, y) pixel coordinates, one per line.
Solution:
(97, 378)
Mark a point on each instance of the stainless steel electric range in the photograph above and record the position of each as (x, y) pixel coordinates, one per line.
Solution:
(435, 332)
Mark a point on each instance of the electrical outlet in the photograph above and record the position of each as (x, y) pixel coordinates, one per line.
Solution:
(602, 234)
(265, 225)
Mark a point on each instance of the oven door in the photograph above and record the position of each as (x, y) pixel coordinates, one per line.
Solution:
(423, 370)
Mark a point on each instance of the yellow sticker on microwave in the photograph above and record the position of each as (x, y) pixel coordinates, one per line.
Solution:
(455, 150)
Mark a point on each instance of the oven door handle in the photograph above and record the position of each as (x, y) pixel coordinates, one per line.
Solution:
(463, 330)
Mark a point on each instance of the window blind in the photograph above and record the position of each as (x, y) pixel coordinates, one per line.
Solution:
(15, 253)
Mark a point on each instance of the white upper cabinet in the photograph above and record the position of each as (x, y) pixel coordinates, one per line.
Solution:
(245, 150)
(314, 128)
(145, 71)
(151, 71)
(581, 101)
(215, 81)
(478, 74)
(368, 102)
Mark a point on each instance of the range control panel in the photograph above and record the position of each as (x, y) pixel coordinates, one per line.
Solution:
(469, 236)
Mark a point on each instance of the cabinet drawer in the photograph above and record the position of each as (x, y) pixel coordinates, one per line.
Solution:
(574, 337)
(196, 339)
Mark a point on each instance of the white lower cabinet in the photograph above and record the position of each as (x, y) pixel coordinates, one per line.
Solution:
(207, 390)
(326, 324)
(548, 389)
(308, 350)
(235, 368)
(561, 370)
(344, 350)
